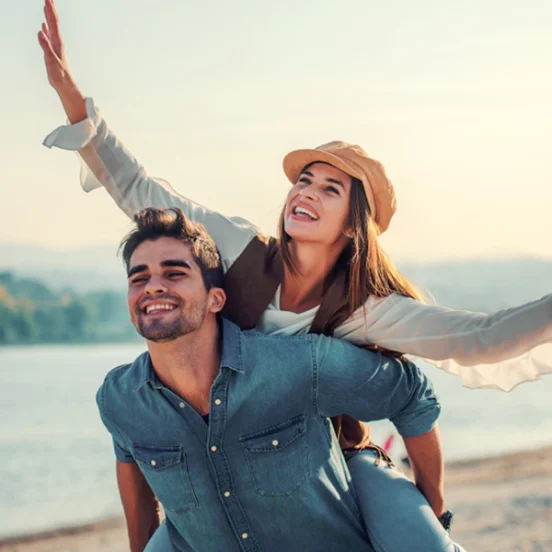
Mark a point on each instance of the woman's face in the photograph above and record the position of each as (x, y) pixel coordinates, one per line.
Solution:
(317, 206)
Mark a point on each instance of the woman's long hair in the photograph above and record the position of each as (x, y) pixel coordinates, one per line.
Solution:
(368, 269)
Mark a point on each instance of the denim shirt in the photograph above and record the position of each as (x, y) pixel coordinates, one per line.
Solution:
(266, 472)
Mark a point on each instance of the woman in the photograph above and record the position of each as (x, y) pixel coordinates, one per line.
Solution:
(326, 274)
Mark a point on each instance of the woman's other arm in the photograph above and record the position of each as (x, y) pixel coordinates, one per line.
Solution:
(469, 338)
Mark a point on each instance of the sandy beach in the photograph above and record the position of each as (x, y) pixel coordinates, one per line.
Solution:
(502, 504)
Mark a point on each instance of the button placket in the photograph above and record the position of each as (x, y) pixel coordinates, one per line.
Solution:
(221, 466)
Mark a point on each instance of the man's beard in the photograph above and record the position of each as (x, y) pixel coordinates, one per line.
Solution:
(190, 320)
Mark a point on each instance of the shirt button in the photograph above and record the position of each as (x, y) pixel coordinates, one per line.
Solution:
(182, 405)
(244, 536)
(214, 448)
(153, 463)
(218, 401)
(275, 443)
(227, 494)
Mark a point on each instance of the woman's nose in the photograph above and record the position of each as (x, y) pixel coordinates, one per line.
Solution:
(309, 192)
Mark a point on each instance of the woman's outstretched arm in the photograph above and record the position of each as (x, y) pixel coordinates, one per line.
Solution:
(107, 163)
(480, 344)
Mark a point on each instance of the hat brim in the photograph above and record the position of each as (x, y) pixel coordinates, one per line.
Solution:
(295, 161)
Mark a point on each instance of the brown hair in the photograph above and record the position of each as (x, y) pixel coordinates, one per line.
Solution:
(368, 269)
(152, 224)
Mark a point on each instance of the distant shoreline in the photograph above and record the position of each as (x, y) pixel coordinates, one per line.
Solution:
(100, 525)
(491, 483)
(103, 341)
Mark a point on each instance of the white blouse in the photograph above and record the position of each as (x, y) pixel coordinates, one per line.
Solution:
(498, 350)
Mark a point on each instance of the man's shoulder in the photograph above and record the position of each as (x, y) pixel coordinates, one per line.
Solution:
(278, 338)
(124, 377)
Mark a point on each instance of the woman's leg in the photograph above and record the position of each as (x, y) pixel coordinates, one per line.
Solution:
(397, 516)
(160, 541)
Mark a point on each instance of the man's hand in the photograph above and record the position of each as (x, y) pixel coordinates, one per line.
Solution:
(57, 66)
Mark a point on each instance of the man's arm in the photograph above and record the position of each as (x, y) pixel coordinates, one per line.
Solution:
(426, 460)
(139, 504)
(371, 386)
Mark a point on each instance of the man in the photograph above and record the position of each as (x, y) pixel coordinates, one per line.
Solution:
(228, 429)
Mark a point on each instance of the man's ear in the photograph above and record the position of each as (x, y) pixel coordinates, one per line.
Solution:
(217, 299)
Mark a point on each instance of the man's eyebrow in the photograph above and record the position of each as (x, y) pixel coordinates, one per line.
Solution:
(136, 269)
(176, 262)
(169, 262)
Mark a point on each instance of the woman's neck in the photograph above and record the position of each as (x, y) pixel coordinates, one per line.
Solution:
(305, 289)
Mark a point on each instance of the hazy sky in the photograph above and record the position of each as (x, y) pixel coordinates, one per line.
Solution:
(455, 98)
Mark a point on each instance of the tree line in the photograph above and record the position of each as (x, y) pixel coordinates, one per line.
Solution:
(31, 312)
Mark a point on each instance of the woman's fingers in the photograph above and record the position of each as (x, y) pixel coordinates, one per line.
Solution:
(46, 46)
(52, 20)
(52, 61)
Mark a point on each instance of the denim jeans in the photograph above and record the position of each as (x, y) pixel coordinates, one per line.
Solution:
(397, 516)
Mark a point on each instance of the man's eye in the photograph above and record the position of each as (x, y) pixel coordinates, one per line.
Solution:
(176, 274)
(138, 280)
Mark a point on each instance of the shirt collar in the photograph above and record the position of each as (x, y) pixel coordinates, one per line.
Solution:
(145, 372)
(231, 357)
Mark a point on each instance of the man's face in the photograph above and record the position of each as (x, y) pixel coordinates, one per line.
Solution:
(167, 297)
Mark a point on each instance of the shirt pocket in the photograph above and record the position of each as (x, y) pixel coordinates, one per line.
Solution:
(166, 471)
(278, 457)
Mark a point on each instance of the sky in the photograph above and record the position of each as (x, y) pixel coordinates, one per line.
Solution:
(455, 99)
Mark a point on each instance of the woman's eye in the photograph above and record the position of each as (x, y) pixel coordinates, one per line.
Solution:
(303, 180)
(333, 190)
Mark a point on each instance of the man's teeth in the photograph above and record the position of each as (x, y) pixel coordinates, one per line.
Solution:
(151, 308)
(304, 211)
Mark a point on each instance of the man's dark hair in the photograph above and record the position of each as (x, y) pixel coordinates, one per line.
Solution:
(152, 224)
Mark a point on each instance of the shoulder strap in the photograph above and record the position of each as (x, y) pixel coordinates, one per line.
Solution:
(329, 316)
(252, 281)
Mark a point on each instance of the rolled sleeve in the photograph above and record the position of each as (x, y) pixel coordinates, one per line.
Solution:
(421, 409)
(77, 136)
(370, 386)
(121, 452)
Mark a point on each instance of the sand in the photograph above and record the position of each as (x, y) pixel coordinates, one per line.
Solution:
(502, 504)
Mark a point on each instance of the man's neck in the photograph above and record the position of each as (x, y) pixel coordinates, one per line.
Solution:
(304, 290)
(189, 365)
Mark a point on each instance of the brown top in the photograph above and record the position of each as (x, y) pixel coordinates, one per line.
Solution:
(251, 283)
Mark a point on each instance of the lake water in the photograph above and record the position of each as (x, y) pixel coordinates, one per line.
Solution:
(57, 462)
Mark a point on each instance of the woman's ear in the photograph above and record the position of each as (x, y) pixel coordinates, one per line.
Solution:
(349, 233)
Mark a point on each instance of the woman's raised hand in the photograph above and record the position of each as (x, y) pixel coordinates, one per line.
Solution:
(52, 45)
(57, 67)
